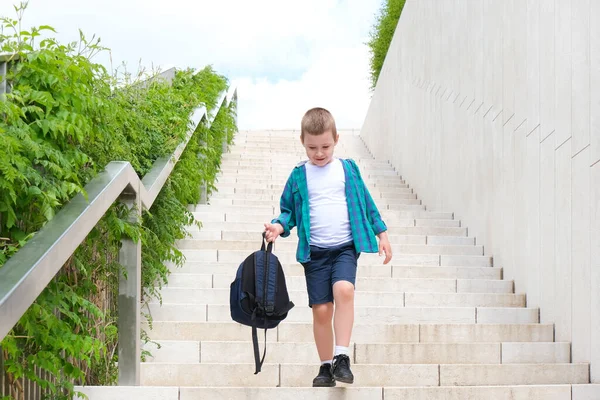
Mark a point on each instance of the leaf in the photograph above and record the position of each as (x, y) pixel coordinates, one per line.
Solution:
(65, 120)
(11, 218)
(46, 28)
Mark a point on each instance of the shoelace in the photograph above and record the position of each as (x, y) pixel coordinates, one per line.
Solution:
(325, 369)
(342, 359)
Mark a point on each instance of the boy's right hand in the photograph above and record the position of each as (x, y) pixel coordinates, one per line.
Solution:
(272, 231)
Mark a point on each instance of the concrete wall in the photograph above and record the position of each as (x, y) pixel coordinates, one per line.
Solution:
(491, 109)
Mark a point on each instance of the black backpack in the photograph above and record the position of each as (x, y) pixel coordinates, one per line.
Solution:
(258, 295)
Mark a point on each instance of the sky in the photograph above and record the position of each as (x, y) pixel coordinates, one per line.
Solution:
(284, 57)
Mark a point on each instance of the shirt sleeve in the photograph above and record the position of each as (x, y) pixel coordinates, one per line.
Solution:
(287, 217)
(372, 212)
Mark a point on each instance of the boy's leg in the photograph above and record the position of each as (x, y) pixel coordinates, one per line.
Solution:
(320, 299)
(343, 293)
(343, 278)
(322, 330)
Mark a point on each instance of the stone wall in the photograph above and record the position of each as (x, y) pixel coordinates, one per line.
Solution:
(491, 109)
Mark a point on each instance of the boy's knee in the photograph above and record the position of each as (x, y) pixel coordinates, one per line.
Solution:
(343, 291)
(323, 313)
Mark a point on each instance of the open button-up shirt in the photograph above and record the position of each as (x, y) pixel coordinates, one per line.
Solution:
(365, 220)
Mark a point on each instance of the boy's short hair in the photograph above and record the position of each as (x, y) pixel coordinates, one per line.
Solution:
(317, 121)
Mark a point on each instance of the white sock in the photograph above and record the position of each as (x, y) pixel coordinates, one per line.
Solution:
(327, 362)
(341, 350)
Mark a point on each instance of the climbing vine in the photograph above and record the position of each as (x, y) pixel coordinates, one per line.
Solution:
(381, 35)
(63, 120)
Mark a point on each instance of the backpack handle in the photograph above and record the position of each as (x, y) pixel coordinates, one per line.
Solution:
(269, 246)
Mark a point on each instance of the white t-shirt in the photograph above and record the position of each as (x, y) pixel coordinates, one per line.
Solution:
(329, 220)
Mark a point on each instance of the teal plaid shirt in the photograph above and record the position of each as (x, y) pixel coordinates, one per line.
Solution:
(365, 219)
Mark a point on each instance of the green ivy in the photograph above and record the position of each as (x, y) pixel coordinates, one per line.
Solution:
(381, 35)
(64, 119)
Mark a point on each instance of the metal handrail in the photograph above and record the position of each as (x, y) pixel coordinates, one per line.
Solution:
(28, 272)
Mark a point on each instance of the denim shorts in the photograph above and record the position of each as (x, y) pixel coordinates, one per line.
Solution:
(326, 267)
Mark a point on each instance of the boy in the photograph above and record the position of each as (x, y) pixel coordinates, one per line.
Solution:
(327, 200)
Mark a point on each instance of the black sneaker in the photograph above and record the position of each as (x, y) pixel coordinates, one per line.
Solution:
(325, 378)
(341, 369)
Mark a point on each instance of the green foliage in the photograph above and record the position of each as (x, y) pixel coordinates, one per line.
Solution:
(63, 121)
(381, 35)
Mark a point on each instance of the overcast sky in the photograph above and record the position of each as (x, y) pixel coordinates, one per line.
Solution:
(284, 56)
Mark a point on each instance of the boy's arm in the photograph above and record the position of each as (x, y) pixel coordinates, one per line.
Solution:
(373, 213)
(286, 218)
(379, 227)
(371, 208)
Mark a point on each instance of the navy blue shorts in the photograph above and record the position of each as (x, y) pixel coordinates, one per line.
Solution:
(326, 267)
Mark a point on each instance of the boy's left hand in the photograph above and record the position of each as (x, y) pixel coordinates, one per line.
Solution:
(385, 247)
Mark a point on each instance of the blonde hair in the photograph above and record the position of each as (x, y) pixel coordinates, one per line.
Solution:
(317, 121)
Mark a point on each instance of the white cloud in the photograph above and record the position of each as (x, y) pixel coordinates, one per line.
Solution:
(336, 80)
(286, 55)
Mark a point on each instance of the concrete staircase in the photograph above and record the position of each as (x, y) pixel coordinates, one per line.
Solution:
(438, 323)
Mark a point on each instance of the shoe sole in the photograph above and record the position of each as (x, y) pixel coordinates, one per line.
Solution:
(325, 385)
(344, 380)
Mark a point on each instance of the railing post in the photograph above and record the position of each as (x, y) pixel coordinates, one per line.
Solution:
(3, 83)
(130, 286)
(224, 144)
(203, 194)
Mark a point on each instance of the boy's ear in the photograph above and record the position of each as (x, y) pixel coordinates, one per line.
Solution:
(302, 139)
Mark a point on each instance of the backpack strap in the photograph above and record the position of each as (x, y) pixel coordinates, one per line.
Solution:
(261, 270)
(258, 364)
(269, 246)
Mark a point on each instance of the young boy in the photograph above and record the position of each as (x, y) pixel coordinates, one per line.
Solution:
(327, 200)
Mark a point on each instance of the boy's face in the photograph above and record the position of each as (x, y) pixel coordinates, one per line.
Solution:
(319, 148)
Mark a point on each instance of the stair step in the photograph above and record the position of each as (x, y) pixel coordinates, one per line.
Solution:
(362, 298)
(450, 240)
(262, 209)
(513, 374)
(365, 271)
(407, 244)
(390, 185)
(289, 257)
(252, 242)
(301, 375)
(128, 392)
(240, 352)
(530, 353)
(430, 235)
(382, 284)
(446, 272)
(280, 393)
(537, 392)
(299, 297)
(403, 227)
(362, 333)
(458, 353)
(209, 375)
(437, 249)
(405, 315)
(430, 231)
(437, 222)
(464, 300)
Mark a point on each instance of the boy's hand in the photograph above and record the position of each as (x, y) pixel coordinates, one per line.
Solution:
(385, 247)
(272, 231)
